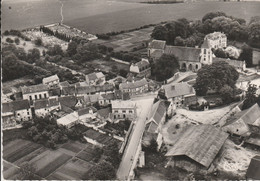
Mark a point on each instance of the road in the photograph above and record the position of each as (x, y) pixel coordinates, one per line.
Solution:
(143, 109)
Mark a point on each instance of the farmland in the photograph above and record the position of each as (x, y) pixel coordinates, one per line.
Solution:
(95, 16)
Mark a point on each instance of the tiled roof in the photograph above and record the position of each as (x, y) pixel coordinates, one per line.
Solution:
(133, 85)
(214, 35)
(184, 53)
(69, 101)
(34, 88)
(45, 103)
(104, 112)
(235, 63)
(15, 106)
(156, 53)
(178, 89)
(50, 79)
(94, 76)
(122, 104)
(200, 143)
(142, 64)
(253, 171)
(86, 111)
(69, 90)
(110, 96)
(158, 111)
(205, 44)
(68, 119)
(64, 84)
(157, 44)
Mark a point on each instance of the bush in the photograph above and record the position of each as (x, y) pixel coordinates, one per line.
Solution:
(17, 41)
(38, 42)
(9, 40)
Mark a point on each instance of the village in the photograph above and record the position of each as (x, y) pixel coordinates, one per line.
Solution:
(162, 129)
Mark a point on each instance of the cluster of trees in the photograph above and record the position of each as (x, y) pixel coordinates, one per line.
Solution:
(219, 76)
(16, 33)
(61, 36)
(46, 131)
(251, 97)
(165, 67)
(126, 56)
(190, 33)
(106, 169)
(120, 127)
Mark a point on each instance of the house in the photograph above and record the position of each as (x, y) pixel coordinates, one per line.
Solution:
(86, 114)
(20, 110)
(44, 107)
(196, 147)
(52, 81)
(155, 122)
(190, 58)
(135, 88)
(156, 49)
(141, 69)
(244, 123)
(105, 99)
(8, 119)
(68, 101)
(96, 78)
(216, 40)
(35, 92)
(240, 65)
(179, 94)
(253, 171)
(123, 110)
(68, 120)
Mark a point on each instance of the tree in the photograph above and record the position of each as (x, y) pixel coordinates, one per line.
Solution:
(220, 53)
(212, 15)
(102, 171)
(33, 55)
(247, 55)
(251, 98)
(254, 34)
(38, 42)
(214, 77)
(159, 33)
(226, 93)
(123, 72)
(111, 152)
(165, 67)
(55, 50)
(17, 41)
(9, 40)
(72, 48)
(26, 172)
(153, 145)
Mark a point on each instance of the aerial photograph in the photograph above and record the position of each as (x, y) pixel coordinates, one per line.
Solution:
(130, 90)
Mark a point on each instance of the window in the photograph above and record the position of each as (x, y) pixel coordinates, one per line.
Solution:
(35, 96)
(40, 96)
(18, 114)
(123, 115)
(205, 51)
(114, 116)
(45, 96)
(130, 112)
(124, 111)
(30, 98)
(28, 113)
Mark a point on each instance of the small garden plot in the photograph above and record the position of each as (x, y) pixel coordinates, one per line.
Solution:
(74, 146)
(13, 134)
(10, 172)
(53, 165)
(74, 169)
(92, 134)
(20, 151)
(87, 156)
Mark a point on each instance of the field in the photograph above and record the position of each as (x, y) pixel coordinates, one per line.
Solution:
(105, 16)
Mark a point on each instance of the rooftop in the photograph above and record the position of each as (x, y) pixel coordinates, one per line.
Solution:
(184, 53)
(122, 104)
(142, 64)
(94, 76)
(253, 171)
(68, 119)
(215, 35)
(86, 111)
(133, 85)
(45, 103)
(200, 143)
(15, 106)
(34, 89)
(157, 44)
(178, 89)
(50, 79)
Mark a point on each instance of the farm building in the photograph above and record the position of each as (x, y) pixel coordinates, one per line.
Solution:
(156, 49)
(69, 120)
(196, 147)
(43, 107)
(95, 78)
(253, 171)
(51, 81)
(241, 65)
(179, 94)
(35, 92)
(135, 87)
(155, 123)
(141, 69)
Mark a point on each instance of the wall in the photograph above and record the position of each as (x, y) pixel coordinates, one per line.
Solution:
(27, 96)
(23, 115)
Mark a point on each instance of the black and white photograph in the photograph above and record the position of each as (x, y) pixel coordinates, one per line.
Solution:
(130, 90)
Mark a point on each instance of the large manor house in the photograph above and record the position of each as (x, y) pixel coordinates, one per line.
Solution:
(193, 58)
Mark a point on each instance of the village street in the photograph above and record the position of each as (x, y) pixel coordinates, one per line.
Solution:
(144, 105)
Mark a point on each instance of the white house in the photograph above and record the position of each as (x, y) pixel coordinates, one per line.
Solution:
(35, 92)
(95, 78)
(51, 81)
(216, 40)
(20, 110)
(43, 107)
(105, 99)
(123, 110)
(69, 120)
(141, 68)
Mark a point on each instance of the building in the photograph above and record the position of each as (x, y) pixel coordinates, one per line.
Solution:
(96, 78)
(156, 49)
(51, 81)
(196, 147)
(35, 92)
(216, 40)
(68, 120)
(141, 69)
(135, 87)
(256, 58)
(253, 171)
(123, 110)
(179, 94)
(103, 114)
(87, 114)
(155, 122)
(20, 110)
(190, 58)
(105, 99)
(44, 107)
(240, 65)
